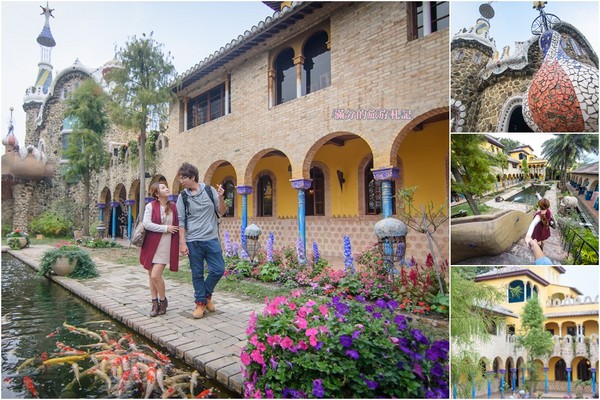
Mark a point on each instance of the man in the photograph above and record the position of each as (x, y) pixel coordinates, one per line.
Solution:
(200, 238)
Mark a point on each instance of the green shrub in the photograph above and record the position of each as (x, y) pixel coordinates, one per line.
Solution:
(85, 266)
(50, 223)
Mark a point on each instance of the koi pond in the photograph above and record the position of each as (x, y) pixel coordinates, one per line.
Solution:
(528, 195)
(55, 345)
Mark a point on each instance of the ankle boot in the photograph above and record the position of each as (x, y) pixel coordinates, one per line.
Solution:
(162, 309)
(155, 306)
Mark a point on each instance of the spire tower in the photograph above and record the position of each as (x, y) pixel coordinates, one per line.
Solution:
(39, 91)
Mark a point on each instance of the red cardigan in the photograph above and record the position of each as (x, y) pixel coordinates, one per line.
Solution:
(152, 239)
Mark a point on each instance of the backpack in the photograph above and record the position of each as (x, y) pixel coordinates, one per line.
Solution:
(186, 204)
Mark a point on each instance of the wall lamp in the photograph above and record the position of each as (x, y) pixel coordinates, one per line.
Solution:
(341, 179)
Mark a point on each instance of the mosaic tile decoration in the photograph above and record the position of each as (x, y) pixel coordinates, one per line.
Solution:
(563, 95)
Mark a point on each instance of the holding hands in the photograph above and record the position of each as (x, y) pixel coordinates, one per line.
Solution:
(172, 228)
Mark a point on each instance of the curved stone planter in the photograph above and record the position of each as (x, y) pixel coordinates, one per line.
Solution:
(22, 242)
(63, 266)
(487, 235)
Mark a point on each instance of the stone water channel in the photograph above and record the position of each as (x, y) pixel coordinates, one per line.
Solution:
(33, 312)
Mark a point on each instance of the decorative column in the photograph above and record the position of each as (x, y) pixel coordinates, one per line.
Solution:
(101, 207)
(594, 393)
(489, 379)
(114, 205)
(513, 379)
(569, 381)
(386, 176)
(523, 376)
(185, 112)
(546, 379)
(502, 372)
(271, 82)
(227, 94)
(473, 391)
(301, 185)
(426, 18)
(244, 191)
(454, 393)
(129, 203)
(299, 63)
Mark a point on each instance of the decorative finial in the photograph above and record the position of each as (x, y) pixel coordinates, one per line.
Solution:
(545, 21)
(47, 12)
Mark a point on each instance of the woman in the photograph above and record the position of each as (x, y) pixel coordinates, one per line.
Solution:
(539, 229)
(161, 244)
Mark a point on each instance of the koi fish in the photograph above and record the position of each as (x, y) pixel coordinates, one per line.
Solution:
(160, 376)
(176, 378)
(7, 380)
(29, 385)
(150, 381)
(205, 393)
(123, 383)
(168, 393)
(26, 363)
(136, 373)
(160, 355)
(104, 377)
(75, 369)
(44, 356)
(52, 333)
(67, 359)
(193, 381)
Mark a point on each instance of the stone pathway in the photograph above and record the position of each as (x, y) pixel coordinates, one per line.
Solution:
(519, 253)
(211, 344)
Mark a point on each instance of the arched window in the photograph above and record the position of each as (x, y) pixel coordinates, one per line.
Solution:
(315, 196)
(285, 75)
(583, 370)
(316, 72)
(517, 122)
(265, 196)
(229, 188)
(535, 291)
(528, 291)
(482, 368)
(560, 370)
(373, 198)
(513, 296)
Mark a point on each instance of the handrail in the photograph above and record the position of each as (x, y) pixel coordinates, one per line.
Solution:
(568, 243)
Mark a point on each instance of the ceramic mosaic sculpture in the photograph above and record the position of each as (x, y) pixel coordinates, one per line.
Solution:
(563, 95)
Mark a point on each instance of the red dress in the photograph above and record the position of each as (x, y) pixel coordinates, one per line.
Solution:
(152, 238)
(541, 232)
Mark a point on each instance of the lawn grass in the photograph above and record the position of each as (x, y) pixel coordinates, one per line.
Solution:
(483, 209)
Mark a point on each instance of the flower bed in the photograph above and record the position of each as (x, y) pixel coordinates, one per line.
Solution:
(341, 348)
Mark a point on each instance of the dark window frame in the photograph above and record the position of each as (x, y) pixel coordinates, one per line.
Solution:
(374, 186)
(204, 104)
(315, 196)
(261, 204)
(415, 11)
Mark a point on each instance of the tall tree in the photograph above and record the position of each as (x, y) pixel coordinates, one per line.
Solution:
(86, 150)
(509, 144)
(533, 336)
(563, 151)
(142, 91)
(470, 166)
(501, 161)
(525, 169)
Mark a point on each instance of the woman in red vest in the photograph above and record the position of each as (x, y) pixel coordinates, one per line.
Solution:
(161, 244)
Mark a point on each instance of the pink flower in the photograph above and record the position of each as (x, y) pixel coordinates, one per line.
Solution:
(323, 309)
(245, 358)
(256, 356)
(297, 293)
(251, 324)
(261, 347)
(301, 323)
(286, 343)
(313, 341)
(302, 345)
(310, 303)
(273, 340)
(254, 340)
(323, 329)
(312, 332)
(258, 394)
(292, 306)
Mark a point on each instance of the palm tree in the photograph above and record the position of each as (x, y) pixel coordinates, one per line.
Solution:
(563, 151)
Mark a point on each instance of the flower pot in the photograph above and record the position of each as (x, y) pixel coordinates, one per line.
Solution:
(22, 242)
(63, 266)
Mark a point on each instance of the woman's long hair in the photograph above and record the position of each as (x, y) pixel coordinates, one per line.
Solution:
(153, 191)
(544, 204)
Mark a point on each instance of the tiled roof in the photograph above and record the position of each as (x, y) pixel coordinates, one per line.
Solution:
(572, 313)
(505, 272)
(587, 169)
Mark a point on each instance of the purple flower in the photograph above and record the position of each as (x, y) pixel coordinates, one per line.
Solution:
(348, 259)
(274, 364)
(270, 242)
(400, 321)
(316, 255)
(371, 384)
(392, 305)
(342, 308)
(377, 315)
(300, 251)
(318, 390)
(235, 248)
(381, 303)
(356, 334)
(360, 299)
(419, 337)
(346, 340)
(228, 249)
(353, 354)
(437, 370)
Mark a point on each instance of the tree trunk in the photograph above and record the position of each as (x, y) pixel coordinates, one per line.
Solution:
(142, 152)
(468, 196)
(86, 203)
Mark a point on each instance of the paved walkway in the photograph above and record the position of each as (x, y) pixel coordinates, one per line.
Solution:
(211, 344)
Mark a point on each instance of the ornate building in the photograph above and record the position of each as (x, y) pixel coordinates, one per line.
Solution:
(311, 120)
(547, 83)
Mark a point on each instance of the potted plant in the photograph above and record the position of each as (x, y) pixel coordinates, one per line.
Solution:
(68, 259)
(17, 239)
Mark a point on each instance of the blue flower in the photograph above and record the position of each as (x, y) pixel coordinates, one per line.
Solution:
(400, 321)
(348, 259)
(437, 370)
(360, 299)
(419, 337)
(371, 384)
(353, 354)
(318, 390)
(342, 308)
(392, 305)
(377, 315)
(346, 340)
(356, 334)
(381, 303)
(316, 254)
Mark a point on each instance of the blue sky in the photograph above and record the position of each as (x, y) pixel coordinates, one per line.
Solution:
(90, 30)
(512, 19)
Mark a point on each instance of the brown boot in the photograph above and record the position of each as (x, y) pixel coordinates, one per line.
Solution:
(155, 307)
(210, 306)
(199, 311)
(163, 307)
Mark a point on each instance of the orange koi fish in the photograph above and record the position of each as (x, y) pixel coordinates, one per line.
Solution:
(29, 385)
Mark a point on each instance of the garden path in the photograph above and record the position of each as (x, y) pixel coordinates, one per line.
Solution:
(211, 344)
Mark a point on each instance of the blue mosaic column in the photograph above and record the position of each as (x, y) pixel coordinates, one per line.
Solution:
(489, 379)
(473, 391)
(244, 191)
(545, 379)
(101, 207)
(523, 376)
(569, 381)
(454, 393)
(386, 176)
(594, 393)
(114, 205)
(502, 372)
(129, 203)
(301, 185)
(513, 379)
